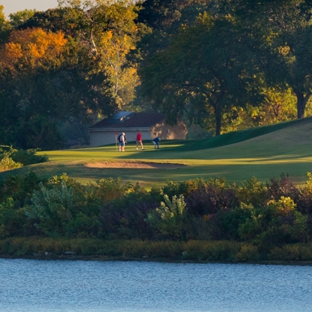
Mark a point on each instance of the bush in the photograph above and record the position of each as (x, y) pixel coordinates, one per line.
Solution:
(109, 189)
(185, 188)
(28, 157)
(169, 217)
(124, 217)
(283, 187)
(11, 158)
(19, 188)
(253, 192)
(204, 251)
(295, 252)
(247, 253)
(204, 210)
(64, 207)
(211, 198)
(6, 161)
(51, 209)
(226, 224)
(275, 224)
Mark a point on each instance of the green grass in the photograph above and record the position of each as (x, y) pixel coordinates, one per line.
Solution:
(264, 152)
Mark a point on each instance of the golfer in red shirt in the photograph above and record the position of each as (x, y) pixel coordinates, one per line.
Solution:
(139, 141)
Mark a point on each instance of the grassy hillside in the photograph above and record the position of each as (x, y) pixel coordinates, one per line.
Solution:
(264, 152)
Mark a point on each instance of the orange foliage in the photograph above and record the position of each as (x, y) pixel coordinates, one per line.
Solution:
(32, 48)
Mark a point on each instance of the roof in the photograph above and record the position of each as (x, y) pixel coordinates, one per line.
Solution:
(128, 119)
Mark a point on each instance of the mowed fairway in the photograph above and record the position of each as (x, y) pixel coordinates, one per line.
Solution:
(284, 151)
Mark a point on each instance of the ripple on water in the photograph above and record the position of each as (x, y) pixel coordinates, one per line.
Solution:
(93, 286)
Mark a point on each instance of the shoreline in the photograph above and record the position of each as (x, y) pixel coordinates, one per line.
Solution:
(64, 257)
(191, 251)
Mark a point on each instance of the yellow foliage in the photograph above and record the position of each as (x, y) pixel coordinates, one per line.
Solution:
(284, 50)
(14, 50)
(284, 206)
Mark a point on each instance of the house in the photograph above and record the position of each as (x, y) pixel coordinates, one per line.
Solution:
(150, 124)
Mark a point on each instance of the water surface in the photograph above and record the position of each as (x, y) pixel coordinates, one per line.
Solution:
(94, 286)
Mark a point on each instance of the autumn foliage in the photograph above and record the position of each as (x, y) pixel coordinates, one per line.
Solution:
(31, 49)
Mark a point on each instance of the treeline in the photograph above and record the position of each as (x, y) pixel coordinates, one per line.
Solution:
(263, 216)
(62, 69)
(224, 65)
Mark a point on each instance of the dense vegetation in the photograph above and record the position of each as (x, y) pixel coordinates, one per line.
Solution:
(223, 65)
(241, 222)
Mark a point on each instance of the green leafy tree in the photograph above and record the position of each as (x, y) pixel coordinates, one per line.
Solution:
(5, 26)
(278, 105)
(20, 17)
(206, 71)
(282, 33)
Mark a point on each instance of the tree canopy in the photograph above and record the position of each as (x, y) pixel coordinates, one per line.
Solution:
(209, 62)
(206, 70)
(67, 62)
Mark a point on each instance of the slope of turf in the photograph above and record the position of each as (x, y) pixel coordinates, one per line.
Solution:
(243, 135)
(265, 153)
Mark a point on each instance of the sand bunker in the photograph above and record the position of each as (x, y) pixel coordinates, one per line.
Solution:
(133, 165)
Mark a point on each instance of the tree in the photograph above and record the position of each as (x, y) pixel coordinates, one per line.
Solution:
(25, 114)
(108, 30)
(206, 70)
(163, 19)
(20, 17)
(5, 26)
(32, 49)
(89, 75)
(295, 61)
(277, 106)
(284, 30)
(45, 84)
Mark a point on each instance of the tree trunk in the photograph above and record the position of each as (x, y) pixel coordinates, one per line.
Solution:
(301, 103)
(218, 116)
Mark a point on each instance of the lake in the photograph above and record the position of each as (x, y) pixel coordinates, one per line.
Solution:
(94, 286)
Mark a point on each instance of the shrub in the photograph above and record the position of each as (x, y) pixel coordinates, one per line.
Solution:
(169, 217)
(247, 253)
(296, 252)
(227, 223)
(211, 198)
(252, 192)
(109, 189)
(28, 157)
(51, 208)
(164, 249)
(304, 201)
(204, 251)
(283, 187)
(274, 225)
(6, 161)
(124, 217)
(64, 207)
(184, 188)
(19, 188)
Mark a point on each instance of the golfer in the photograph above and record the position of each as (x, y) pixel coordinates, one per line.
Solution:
(122, 142)
(139, 141)
(156, 142)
